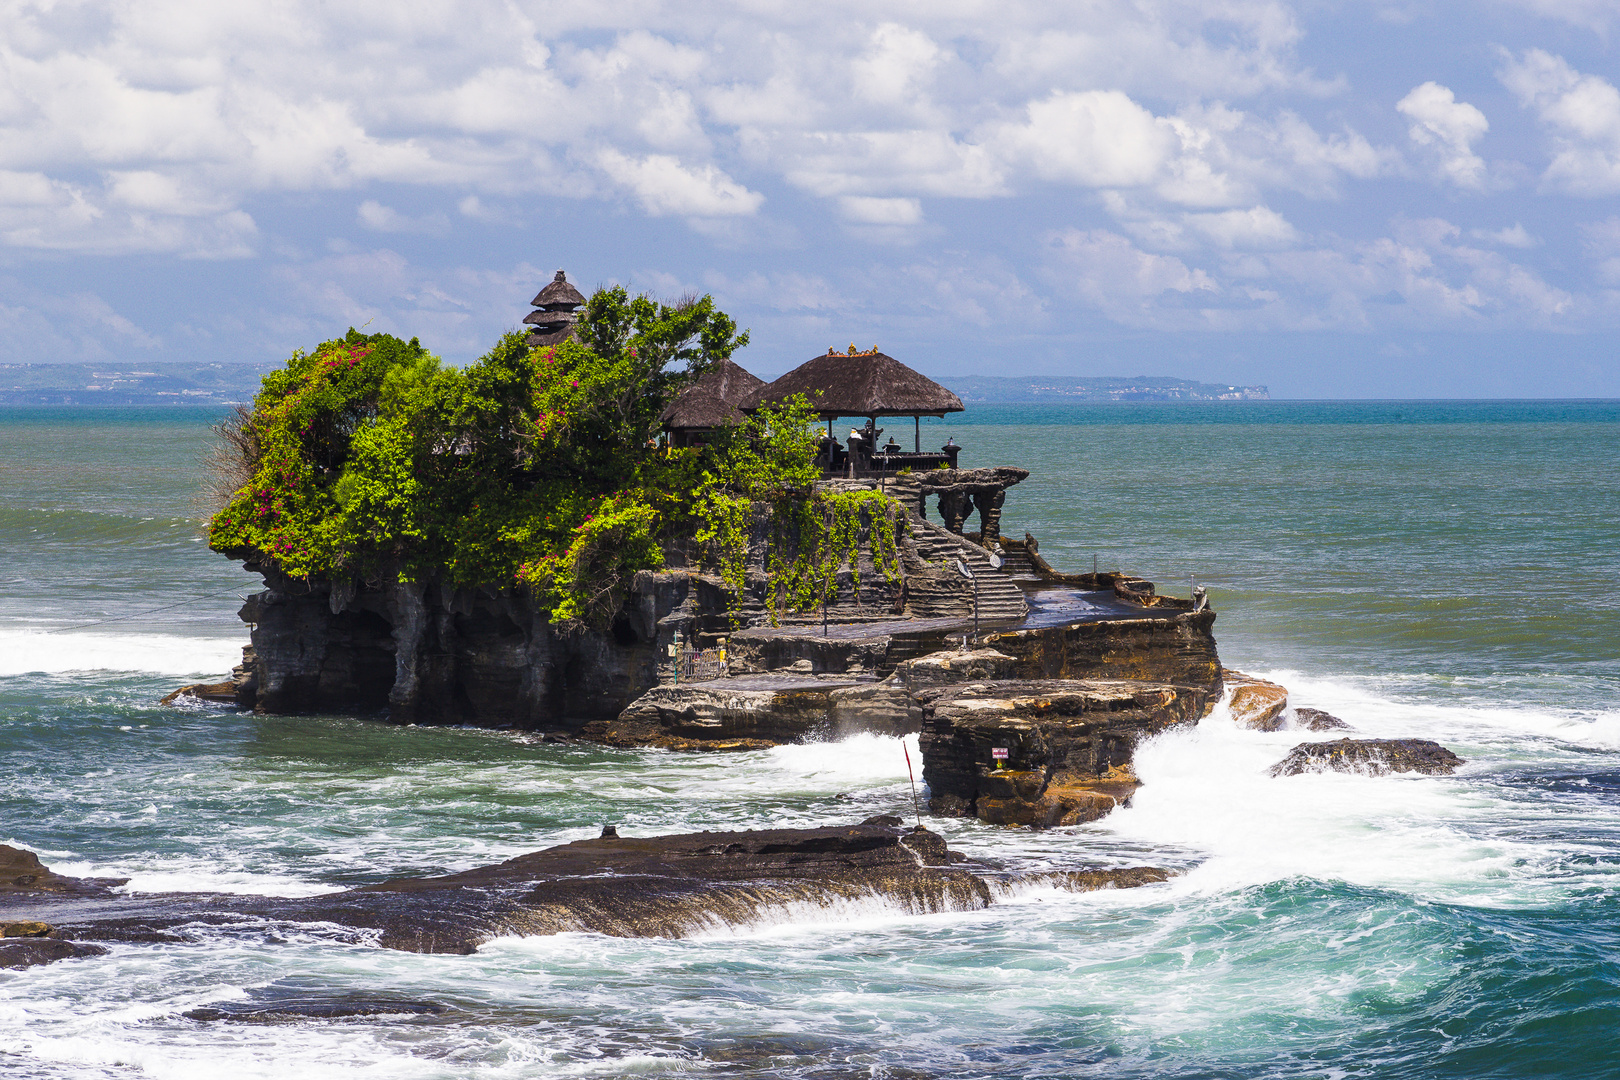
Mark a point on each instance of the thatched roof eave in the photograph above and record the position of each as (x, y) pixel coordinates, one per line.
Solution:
(868, 384)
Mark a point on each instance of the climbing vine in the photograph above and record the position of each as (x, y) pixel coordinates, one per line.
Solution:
(761, 491)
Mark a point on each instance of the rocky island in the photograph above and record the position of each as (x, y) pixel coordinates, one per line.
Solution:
(608, 530)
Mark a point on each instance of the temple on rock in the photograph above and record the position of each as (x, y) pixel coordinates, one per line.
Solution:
(966, 636)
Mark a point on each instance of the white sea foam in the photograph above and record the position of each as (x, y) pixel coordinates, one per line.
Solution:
(29, 651)
(1209, 789)
(1377, 715)
(859, 758)
(238, 883)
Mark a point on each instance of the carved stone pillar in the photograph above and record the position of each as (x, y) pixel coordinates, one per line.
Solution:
(954, 507)
(989, 507)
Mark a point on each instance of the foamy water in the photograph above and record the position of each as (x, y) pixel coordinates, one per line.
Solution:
(25, 651)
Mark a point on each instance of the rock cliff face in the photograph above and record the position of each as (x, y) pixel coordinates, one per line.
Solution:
(1069, 745)
(431, 655)
(1255, 703)
(754, 712)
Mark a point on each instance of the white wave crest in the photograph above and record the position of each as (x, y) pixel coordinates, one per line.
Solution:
(25, 652)
(1462, 838)
(858, 757)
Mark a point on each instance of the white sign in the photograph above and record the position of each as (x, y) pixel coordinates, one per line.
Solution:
(999, 753)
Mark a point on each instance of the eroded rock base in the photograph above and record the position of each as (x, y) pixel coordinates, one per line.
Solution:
(1069, 745)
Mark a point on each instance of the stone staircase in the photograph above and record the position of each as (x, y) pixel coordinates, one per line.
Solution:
(1017, 565)
(999, 597)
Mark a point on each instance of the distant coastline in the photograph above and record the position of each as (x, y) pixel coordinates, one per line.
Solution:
(1061, 388)
(117, 384)
(225, 384)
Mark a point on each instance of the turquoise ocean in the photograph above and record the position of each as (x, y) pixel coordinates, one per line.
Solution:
(1445, 570)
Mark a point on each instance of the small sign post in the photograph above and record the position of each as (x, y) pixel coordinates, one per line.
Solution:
(1000, 754)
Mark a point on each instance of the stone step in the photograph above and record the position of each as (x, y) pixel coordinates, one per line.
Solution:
(999, 597)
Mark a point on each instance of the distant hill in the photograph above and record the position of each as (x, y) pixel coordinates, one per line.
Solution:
(991, 388)
(115, 384)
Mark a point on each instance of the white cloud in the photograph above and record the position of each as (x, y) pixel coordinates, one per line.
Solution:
(869, 210)
(1419, 278)
(1598, 15)
(130, 212)
(1110, 273)
(200, 109)
(665, 186)
(1582, 113)
(1514, 235)
(1447, 129)
(1098, 138)
(379, 218)
(1256, 227)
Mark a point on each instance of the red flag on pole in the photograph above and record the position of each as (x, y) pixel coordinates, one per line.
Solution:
(915, 806)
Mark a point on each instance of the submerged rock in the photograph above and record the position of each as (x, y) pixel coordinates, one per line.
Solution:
(1369, 757)
(1255, 703)
(273, 1005)
(1069, 746)
(663, 886)
(1317, 720)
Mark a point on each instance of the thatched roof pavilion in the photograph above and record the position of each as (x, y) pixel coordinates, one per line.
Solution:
(710, 402)
(870, 384)
(553, 319)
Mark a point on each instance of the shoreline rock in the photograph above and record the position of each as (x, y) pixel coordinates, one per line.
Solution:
(1069, 745)
(661, 886)
(1369, 757)
(1317, 720)
(1255, 703)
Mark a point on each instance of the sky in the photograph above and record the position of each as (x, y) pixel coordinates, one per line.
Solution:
(1410, 198)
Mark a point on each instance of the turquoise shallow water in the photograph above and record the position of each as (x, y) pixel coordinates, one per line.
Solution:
(1437, 569)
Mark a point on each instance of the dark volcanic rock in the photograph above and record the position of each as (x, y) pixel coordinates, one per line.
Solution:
(1069, 743)
(1317, 720)
(22, 872)
(666, 886)
(278, 1004)
(1370, 757)
(18, 953)
(952, 668)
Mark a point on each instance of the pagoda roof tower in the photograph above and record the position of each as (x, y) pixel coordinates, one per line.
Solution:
(556, 308)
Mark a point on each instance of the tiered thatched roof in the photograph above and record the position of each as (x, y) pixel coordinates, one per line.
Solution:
(860, 384)
(553, 319)
(712, 401)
